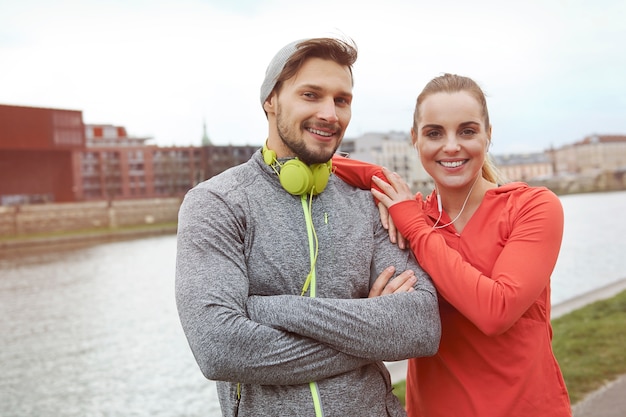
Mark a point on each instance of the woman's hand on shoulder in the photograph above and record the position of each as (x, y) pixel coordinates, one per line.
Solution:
(394, 191)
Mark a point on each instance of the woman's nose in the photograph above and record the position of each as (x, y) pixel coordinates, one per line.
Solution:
(452, 145)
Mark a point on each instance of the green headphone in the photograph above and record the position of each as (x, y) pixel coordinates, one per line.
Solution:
(298, 178)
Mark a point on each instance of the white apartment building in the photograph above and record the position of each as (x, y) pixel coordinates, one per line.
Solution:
(524, 167)
(592, 155)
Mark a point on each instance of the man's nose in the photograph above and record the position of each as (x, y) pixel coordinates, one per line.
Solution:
(328, 111)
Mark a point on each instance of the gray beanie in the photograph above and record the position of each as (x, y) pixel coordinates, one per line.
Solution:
(275, 67)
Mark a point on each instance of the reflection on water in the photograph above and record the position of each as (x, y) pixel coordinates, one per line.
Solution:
(94, 331)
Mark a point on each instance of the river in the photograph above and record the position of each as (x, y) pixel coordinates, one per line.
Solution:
(94, 331)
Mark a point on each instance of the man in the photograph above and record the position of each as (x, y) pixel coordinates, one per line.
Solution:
(276, 258)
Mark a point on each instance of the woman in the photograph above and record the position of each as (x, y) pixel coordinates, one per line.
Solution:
(490, 250)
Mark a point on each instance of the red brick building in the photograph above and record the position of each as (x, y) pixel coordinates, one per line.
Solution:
(39, 151)
(50, 155)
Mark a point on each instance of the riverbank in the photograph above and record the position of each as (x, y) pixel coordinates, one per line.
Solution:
(63, 218)
(15, 246)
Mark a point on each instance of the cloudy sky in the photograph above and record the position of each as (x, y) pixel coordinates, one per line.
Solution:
(554, 70)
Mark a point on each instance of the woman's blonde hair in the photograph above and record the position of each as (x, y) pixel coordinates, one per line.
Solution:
(452, 83)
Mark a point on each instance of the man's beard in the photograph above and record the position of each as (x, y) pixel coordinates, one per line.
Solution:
(298, 147)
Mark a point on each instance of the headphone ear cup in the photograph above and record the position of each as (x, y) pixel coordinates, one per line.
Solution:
(321, 174)
(296, 177)
(269, 156)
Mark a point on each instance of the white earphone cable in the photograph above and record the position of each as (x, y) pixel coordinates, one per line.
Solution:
(462, 207)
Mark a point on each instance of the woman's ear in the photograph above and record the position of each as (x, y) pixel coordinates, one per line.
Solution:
(413, 137)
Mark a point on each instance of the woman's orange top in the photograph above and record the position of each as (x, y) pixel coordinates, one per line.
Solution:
(495, 356)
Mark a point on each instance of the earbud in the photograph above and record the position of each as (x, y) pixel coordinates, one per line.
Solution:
(439, 205)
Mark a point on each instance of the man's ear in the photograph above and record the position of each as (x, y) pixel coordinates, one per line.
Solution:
(269, 104)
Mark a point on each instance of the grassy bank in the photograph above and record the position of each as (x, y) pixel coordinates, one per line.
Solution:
(589, 345)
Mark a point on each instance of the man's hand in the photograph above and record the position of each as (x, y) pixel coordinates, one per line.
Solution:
(385, 285)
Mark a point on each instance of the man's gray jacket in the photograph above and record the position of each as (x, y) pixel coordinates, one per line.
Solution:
(245, 249)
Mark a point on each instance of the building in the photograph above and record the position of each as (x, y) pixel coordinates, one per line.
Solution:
(112, 165)
(39, 149)
(592, 155)
(50, 155)
(392, 150)
(524, 167)
(115, 165)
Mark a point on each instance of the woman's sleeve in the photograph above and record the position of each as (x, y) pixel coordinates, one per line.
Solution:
(356, 173)
(520, 273)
